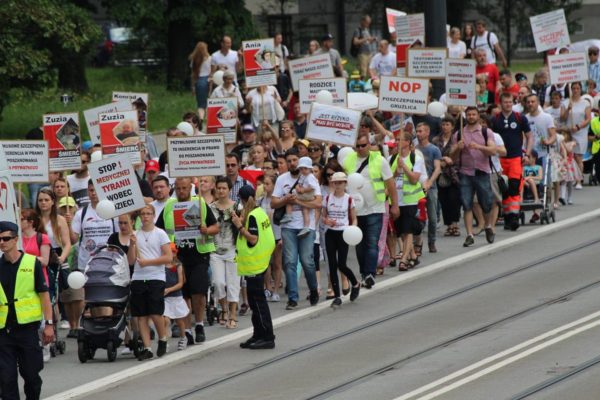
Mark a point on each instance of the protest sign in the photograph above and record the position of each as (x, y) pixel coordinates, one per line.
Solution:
(221, 117)
(196, 156)
(8, 204)
(427, 63)
(460, 82)
(114, 179)
(550, 30)
(186, 215)
(27, 160)
(119, 134)
(568, 67)
(401, 55)
(312, 67)
(139, 102)
(309, 88)
(391, 15)
(403, 94)
(62, 133)
(259, 62)
(331, 124)
(91, 116)
(410, 28)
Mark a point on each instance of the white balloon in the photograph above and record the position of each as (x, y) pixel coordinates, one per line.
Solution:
(359, 201)
(355, 182)
(352, 235)
(324, 97)
(343, 153)
(105, 209)
(218, 77)
(186, 128)
(96, 156)
(76, 280)
(436, 109)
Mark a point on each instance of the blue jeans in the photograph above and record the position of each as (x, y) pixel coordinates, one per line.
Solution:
(479, 184)
(432, 214)
(367, 251)
(293, 246)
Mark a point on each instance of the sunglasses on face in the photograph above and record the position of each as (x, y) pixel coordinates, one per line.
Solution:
(6, 238)
(360, 146)
(231, 165)
(592, 53)
(313, 149)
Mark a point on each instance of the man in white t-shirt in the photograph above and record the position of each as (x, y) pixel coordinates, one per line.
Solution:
(282, 52)
(489, 42)
(384, 62)
(78, 182)
(226, 59)
(295, 247)
(542, 127)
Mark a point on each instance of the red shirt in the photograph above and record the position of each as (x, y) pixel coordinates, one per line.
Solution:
(514, 90)
(492, 73)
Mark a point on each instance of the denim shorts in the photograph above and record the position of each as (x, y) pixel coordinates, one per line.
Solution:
(479, 184)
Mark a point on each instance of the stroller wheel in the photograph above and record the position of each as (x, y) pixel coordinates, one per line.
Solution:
(111, 351)
(61, 346)
(82, 352)
(543, 218)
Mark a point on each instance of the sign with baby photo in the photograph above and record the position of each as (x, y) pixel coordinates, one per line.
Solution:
(331, 124)
(259, 62)
(186, 216)
(62, 133)
(139, 103)
(91, 116)
(221, 117)
(119, 134)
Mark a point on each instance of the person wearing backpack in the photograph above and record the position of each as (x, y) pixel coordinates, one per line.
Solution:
(362, 45)
(489, 42)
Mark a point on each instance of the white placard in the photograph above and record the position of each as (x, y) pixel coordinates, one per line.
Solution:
(222, 117)
(331, 124)
(568, 67)
(27, 160)
(410, 28)
(550, 30)
(309, 88)
(460, 82)
(398, 94)
(61, 131)
(139, 103)
(8, 204)
(120, 134)
(91, 116)
(114, 179)
(312, 67)
(391, 15)
(187, 217)
(427, 63)
(259, 62)
(196, 156)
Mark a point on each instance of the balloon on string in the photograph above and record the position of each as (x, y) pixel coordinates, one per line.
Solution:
(105, 209)
(436, 109)
(186, 128)
(352, 235)
(343, 153)
(324, 97)
(76, 280)
(359, 201)
(96, 156)
(218, 77)
(355, 182)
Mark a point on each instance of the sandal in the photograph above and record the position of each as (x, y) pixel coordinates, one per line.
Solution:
(231, 324)
(223, 318)
(418, 249)
(398, 256)
(413, 262)
(449, 231)
(456, 231)
(379, 270)
(403, 266)
(244, 309)
(330, 295)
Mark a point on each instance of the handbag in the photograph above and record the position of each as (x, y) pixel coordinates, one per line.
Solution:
(444, 181)
(502, 185)
(279, 213)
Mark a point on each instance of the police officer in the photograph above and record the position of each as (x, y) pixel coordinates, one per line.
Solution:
(255, 244)
(24, 302)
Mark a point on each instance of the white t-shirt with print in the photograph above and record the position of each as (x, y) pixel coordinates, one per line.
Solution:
(149, 246)
(78, 188)
(94, 232)
(482, 42)
(383, 64)
(372, 206)
(338, 209)
(282, 187)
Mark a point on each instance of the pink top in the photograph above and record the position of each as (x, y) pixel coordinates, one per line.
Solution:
(472, 159)
(30, 246)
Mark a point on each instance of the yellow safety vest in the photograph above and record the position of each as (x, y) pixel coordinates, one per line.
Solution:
(595, 124)
(207, 246)
(255, 260)
(375, 161)
(411, 193)
(28, 305)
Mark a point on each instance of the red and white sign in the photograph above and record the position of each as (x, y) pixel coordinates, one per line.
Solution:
(91, 116)
(312, 67)
(119, 134)
(410, 28)
(460, 82)
(401, 55)
(391, 15)
(139, 102)
(331, 124)
(310, 87)
(187, 217)
(259, 62)
(427, 62)
(408, 95)
(8, 204)
(27, 160)
(62, 133)
(221, 117)
(568, 67)
(550, 30)
(196, 156)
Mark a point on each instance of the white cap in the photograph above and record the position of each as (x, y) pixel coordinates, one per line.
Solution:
(305, 162)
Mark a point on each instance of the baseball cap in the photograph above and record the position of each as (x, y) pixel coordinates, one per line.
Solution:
(87, 145)
(338, 177)
(246, 192)
(303, 142)
(67, 202)
(328, 36)
(248, 128)
(519, 76)
(7, 226)
(305, 162)
(355, 74)
(152, 165)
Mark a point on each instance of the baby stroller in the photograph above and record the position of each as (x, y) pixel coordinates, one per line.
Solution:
(104, 320)
(547, 212)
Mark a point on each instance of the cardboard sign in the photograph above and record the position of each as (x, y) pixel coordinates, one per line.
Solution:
(259, 62)
(309, 88)
(391, 15)
(460, 82)
(333, 124)
(398, 94)
(62, 133)
(91, 117)
(119, 134)
(410, 28)
(550, 30)
(139, 103)
(221, 117)
(196, 156)
(186, 215)
(8, 203)
(427, 63)
(568, 67)
(27, 160)
(312, 67)
(114, 179)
